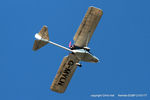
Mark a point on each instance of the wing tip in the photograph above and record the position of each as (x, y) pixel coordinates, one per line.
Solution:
(95, 7)
(101, 11)
(56, 90)
(45, 26)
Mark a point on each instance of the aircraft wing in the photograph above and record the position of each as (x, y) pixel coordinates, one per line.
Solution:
(64, 74)
(87, 27)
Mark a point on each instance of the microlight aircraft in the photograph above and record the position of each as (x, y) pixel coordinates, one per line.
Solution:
(79, 51)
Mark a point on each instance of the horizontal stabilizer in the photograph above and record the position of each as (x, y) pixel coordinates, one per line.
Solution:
(43, 34)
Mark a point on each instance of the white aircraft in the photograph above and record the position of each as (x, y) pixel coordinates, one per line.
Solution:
(78, 52)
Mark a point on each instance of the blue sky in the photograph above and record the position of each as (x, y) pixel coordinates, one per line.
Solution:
(121, 42)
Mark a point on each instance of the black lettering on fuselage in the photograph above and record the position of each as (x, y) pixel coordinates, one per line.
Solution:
(65, 73)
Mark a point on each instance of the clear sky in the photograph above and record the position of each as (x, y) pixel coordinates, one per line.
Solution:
(121, 41)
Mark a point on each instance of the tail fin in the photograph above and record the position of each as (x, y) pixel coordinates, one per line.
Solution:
(39, 43)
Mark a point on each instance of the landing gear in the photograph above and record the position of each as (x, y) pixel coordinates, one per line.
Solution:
(78, 64)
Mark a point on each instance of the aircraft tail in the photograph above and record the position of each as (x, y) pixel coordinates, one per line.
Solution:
(44, 35)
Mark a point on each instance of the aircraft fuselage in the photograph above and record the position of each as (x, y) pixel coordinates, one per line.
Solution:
(84, 55)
